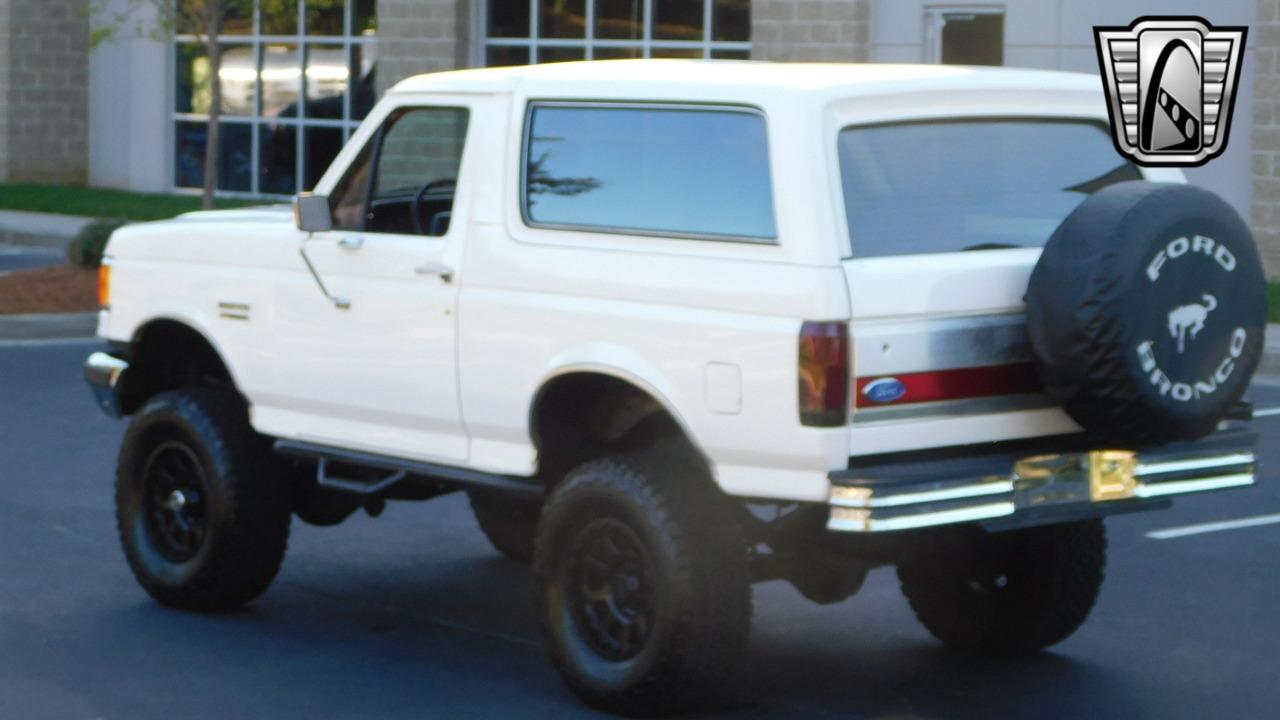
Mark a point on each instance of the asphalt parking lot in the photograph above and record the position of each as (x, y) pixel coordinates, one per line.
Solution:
(412, 615)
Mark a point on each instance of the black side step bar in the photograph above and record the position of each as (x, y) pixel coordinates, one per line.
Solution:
(398, 469)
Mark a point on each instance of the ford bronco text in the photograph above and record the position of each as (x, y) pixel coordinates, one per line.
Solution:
(678, 327)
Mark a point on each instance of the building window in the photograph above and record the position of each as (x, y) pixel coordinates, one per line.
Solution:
(297, 78)
(965, 35)
(519, 32)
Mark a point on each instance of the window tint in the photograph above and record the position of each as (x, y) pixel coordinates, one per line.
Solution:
(414, 175)
(650, 170)
(420, 146)
(349, 195)
(967, 185)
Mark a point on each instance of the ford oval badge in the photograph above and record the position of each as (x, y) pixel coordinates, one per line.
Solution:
(885, 390)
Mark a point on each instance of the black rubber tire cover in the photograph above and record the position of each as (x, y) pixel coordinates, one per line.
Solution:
(1147, 312)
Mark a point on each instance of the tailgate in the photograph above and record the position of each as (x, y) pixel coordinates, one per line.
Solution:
(946, 218)
(940, 352)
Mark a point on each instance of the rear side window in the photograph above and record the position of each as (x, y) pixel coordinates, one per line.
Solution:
(933, 187)
(649, 170)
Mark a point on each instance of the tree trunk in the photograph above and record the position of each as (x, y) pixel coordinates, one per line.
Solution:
(215, 113)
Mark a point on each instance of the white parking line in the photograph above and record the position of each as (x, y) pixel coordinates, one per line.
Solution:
(1266, 412)
(1170, 533)
(50, 342)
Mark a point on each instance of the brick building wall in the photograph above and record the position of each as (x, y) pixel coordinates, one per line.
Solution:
(44, 100)
(417, 36)
(1266, 135)
(837, 30)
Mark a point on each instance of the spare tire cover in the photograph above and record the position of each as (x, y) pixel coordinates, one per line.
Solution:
(1147, 312)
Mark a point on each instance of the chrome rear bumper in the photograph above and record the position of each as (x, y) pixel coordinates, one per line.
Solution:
(1016, 487)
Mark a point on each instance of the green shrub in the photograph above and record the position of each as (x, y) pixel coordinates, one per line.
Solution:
(86, 247)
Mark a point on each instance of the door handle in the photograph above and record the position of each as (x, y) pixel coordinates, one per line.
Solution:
(444, 272)
(351, 242)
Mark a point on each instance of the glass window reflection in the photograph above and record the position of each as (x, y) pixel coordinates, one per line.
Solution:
(620, 19)
(322, 146)
(563, 18)
(327, 74)
(281, 80)
(234, 155)
(293, 92)
(325, 17)
(658, 170)
(618, 29)
(731, 20)
(509, 18)
(677, 20)
(278, 159)
(279, 17)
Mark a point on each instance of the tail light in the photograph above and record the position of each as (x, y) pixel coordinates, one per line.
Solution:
(104, 284)
(824, 374)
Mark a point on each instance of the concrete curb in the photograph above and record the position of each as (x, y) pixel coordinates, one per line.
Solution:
(46, 242)
(48, 326)
(45, 230)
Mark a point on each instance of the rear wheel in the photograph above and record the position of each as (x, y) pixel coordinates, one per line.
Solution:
(643, 589)
(202, 515)
(1006, 593)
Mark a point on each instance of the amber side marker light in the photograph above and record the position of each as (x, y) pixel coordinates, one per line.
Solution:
(104, 284)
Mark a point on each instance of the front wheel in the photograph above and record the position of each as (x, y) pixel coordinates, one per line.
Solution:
(203, 517)
(643, 589)
(1006, 593)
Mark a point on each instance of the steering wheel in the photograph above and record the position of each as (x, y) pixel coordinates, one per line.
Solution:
(415, 208)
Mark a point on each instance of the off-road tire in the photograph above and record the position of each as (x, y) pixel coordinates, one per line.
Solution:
(1133, 263)
(510, 524)
(699, 578)
(245, 507)
(1052, 575)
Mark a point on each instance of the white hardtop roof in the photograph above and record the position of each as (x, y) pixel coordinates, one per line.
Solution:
(688, 77)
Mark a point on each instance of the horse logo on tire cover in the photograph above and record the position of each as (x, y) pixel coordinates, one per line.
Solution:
(1170, 84)
(1190, 318)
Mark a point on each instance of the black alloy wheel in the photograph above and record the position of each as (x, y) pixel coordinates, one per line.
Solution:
(644, 595)
(202, 506)
(176, 510)
(611, 591)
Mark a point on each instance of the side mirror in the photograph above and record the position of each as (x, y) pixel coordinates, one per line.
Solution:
(311, 213)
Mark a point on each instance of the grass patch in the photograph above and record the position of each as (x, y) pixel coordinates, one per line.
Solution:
(90, 202)
(1273, 307)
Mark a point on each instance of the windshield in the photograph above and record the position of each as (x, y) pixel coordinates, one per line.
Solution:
(947, 186)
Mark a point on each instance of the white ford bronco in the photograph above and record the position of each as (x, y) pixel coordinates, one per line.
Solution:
(681, 326)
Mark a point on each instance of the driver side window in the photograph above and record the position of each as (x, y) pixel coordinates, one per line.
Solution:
(404, 181)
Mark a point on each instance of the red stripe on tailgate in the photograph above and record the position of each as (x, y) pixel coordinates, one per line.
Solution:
(955, 384)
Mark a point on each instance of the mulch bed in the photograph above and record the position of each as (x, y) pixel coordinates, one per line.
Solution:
(63, 288)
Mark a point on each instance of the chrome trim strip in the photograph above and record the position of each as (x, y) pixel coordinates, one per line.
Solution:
(897, 346)
(1187, 465)
(851, 520)
(1176, 487)
(866, 500)
(945, 409)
